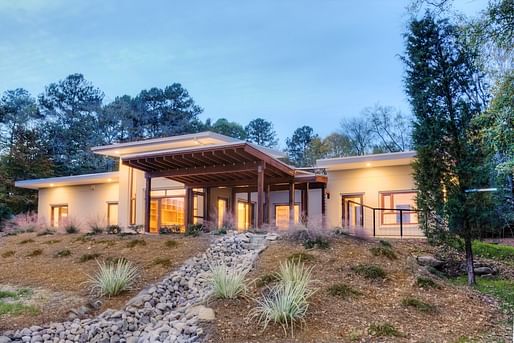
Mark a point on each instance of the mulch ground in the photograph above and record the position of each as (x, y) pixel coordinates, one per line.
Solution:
(63, 280)
(459, 311)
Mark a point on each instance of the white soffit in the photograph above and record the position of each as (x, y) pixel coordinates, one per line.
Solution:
(75, 180)
(367, 161)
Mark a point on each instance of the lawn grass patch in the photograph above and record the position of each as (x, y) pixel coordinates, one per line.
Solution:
(343, 291)
(418, 305)
(26, 241)
(8, 294)
(171, 243)
(426, 283)
(161, 261)
(8, 253)
(135, 242)
(88, 257)
(301, 257)
(63, 253)
(384, 330)
(493, 251)
(385, 251)
(370, 271)
(36, 252)
(266, 279)
(17, 309)
(501, 289)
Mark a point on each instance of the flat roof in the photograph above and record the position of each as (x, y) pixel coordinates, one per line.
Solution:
(366, 161)
(74, 180)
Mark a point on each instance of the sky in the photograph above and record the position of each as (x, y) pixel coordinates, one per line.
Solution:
(293, 62)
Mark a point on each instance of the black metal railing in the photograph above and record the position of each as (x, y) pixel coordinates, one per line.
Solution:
(399, 227)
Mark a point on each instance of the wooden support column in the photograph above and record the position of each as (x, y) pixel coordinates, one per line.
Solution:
(323, 208)
(188, 206)
(148, 198)
(291, 203)
(306, 199)
(267, 217)
(250, 212)
(260, 195)
(207, 206)
(233, 207)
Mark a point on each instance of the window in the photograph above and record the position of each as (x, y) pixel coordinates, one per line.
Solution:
(198, 207)
(132, 208)
(222, 211)
(59, 215)
(392, 202)
(166, 212)
(282, 215)
(244, 215)
(112, 213)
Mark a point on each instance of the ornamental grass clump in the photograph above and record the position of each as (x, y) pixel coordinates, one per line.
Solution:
(287, 301)
(113, 278)
(227, 283)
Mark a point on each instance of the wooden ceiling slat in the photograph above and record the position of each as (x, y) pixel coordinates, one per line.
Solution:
(175, 162)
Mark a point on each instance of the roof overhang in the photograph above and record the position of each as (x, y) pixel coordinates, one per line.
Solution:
(75, 180)
(367, 161)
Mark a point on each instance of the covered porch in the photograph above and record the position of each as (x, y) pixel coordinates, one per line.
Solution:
(236, 185)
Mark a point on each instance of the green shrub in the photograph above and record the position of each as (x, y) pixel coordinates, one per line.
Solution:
(169, 229)
(26, 241)
(162, 261)
(227, 283)
(426, 282)
(309, 238)
(113, 278)
(385, 243)
(287, 302)
(135, 242)
(71, 228)
(8, 253)
(370, 271)
(36, 252)
(171, 243)
(384, 330)
(383, 251)
(194, 230)
(301, 257)
(266, 279)
(96, 229)
(14, 309)
(63, 253)
(46, 232)
(493, 251)
(8, 294)
(342, 290)
(418, 305)
(88, 257)
(113, 229)
(220, 231)
(136, 228)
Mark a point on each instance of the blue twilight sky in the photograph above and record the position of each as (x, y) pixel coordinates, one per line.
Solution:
(293, 62)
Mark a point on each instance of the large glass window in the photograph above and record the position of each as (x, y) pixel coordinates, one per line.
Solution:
(166, 212)
(222, 211)
(282, 215)
(59, 215)
(112, 213)
(393, 201)
(244, 215)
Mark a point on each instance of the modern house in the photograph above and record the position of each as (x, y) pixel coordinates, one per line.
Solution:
(220, 181)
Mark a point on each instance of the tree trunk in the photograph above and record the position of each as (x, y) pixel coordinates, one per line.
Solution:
(469, 260)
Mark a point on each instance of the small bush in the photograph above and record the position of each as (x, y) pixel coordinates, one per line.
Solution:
(89, 257)
(63, 253)
(17, 309)
(113, 278)
(162, 261)
(8, 253)
(266, 279)
(136, 228)
(384, 330)
(115, 260)
(370, 271)
(46, 232)
(8, 294)
(169, 229)
(425, 282)
(309, 238)
(96, 229)
(52, 241)
(35, 253)
(171, 243)
(301, 257)
(71, 228)
(342, 290)
(220, 231)
(294, 271)
(113, 229)
(418, 305)
(227, 283)
(26, 241)
(383, 251)
(194, 230)
(135, 242)
(386, 244)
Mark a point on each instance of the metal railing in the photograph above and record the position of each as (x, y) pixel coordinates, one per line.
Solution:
(399, 227)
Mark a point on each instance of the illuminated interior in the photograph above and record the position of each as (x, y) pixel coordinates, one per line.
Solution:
(282, 216)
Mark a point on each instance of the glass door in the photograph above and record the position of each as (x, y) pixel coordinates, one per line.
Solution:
(352, 210)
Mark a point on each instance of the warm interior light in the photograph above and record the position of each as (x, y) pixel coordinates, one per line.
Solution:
(117, 152)
(51, 185)
(368, 164)
(109, 180)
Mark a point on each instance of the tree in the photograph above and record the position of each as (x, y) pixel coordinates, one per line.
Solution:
(261, 132)
(444, 89)
(119, 121)
(167, 112)
(360, 134)
(390, 128)
(17, 110)
(298, 145)
(72, 105)
(229, 128)
(338, 145)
